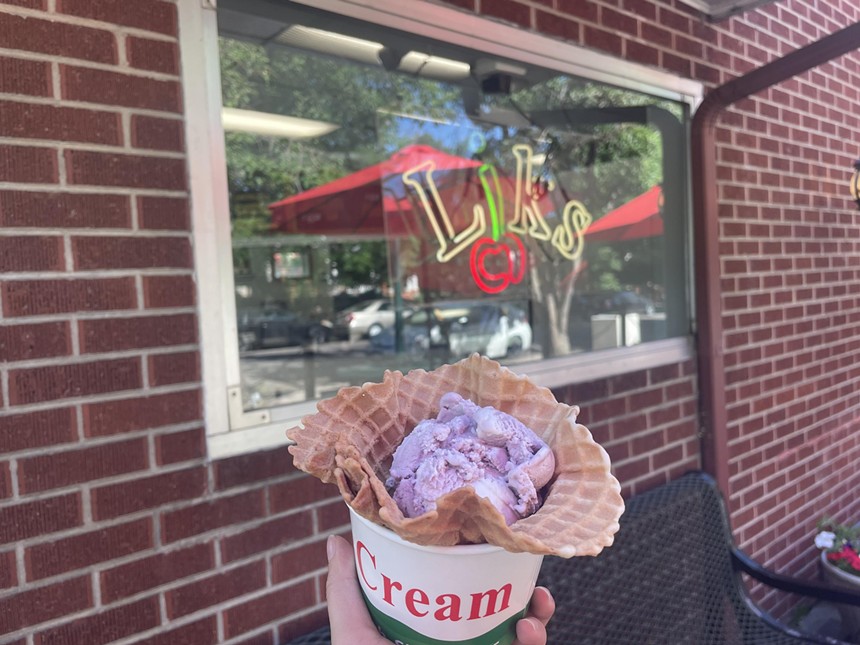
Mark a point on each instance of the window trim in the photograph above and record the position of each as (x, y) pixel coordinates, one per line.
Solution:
(229, 429)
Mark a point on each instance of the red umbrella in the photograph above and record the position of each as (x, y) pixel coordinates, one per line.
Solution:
(366, 202)
(640, 217)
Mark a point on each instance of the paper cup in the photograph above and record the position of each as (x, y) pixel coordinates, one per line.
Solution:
(418, 595)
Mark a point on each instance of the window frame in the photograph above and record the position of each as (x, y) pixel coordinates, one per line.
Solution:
(229, 429)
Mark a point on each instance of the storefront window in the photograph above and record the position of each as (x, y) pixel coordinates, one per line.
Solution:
(398, 202)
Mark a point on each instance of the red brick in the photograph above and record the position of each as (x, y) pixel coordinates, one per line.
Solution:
(214, 514)
(93, 253)
(602, 39)
(52, 382)
(555, 25)
(118, 334)
(39, 5)
(33, 606)
(40, 297)
(5, 482)
(152, 133)
(57, 39)
(169, 291)
(144, 413)
(201, 632)
(37, 429)
(587, 10)
(297, 562)
(626, 382)
(31, 519)
(169, 213)
(252, 467)
(617, 22)
(644, 9)
(113, 88)
(58, 469)
(148, 15)
(508, 10)
(167, 369)
(28, 165)
(154, 55)
(146, 493)
(155, 571)
(85, 549)
(31, 253)
(645, 54)
(43, 340)
(216, 589)
(105, 627)
(20, 76)
(63, 210)
(108, 169)
(266, 536)
(185, 445)
(298, 491)
(37, 121)
(269, 608)
(8, 570)
(333, 515)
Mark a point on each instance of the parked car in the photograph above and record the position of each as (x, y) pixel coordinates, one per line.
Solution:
(279, 327)
(423, 330)
(364, 319)
(492, 329)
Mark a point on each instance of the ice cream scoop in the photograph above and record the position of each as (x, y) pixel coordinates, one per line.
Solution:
(503, 461)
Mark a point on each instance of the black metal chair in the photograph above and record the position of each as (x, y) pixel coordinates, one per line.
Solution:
(673, 576)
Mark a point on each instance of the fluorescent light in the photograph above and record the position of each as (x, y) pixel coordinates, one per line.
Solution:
(329, 42)
(444, 69)
(273, 125)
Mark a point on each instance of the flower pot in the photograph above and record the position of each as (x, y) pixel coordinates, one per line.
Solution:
(838, 578)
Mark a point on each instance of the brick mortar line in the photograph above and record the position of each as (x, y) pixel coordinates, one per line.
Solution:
(805, 509)
(95, 357)
(98, 273)
(82, 146)
(87, 189)
(102, 441)
(106, 398)
(58, 101)
(777, 441)
(52, 15)
(95, 315)
(83, 63)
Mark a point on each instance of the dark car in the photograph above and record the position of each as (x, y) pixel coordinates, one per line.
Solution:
(279, 328)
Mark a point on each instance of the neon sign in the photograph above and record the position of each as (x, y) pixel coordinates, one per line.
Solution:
(498, 258)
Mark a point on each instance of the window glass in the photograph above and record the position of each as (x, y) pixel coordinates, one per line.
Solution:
(398, 202)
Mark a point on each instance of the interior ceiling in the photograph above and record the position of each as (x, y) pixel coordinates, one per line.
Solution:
(719, 9)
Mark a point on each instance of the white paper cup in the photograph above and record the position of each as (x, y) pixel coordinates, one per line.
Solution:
(419, 595)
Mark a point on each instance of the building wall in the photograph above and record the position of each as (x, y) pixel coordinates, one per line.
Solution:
(114, 524)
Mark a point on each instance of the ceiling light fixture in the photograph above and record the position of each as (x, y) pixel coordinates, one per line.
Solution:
(273, 125)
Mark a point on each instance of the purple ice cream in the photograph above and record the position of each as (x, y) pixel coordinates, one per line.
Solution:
(468, 445)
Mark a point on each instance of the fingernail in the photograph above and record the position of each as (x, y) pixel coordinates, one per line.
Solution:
(330, 547)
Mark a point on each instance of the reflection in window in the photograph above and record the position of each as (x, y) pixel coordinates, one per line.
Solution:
(399, 203)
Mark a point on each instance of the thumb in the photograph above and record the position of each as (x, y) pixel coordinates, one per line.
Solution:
(347, 612)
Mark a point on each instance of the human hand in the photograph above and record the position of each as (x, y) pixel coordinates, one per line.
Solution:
(351, 623)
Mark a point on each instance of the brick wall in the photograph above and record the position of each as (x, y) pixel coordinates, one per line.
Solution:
(114, 526)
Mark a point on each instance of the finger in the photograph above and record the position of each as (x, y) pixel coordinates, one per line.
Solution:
(543, 605)
(346, 609)
(530, 631)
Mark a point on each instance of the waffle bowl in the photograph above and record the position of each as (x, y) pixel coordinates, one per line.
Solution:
(351, 439)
